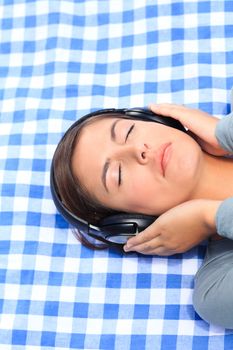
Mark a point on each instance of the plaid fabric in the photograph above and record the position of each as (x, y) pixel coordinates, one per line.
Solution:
(59, 60)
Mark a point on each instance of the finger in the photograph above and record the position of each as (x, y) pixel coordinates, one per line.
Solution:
(170, 110)
(199, 122)
(143, 237)
(155, 250)
(179, 112)
(147, 247)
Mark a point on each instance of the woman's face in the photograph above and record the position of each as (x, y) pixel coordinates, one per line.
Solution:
(137, 166)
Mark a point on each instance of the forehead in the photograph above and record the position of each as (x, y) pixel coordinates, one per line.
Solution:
(89, 152)
(94, 128)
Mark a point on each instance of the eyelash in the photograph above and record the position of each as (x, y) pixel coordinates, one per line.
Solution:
(119, 178)
(129, 131)
(120, 172)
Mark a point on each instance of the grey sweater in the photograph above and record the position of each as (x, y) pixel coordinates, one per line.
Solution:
(224, 216)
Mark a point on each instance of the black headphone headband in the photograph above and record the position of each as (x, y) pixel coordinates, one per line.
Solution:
(115, 229)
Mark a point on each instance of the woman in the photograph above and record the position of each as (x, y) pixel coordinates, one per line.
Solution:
(133, 166)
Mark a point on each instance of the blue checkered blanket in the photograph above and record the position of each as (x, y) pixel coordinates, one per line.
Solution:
(59, 60)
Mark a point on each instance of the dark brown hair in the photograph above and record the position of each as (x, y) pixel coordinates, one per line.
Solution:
(72, 192)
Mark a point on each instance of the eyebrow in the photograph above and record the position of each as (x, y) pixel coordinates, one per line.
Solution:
(107, 163)
(104, 173)
(113, 128)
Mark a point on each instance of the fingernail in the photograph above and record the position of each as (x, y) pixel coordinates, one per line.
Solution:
(126, 248)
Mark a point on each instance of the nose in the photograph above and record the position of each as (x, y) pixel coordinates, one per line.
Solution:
(142, 154)
(139, 153)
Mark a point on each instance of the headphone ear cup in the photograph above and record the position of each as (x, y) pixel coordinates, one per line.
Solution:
(117, 221)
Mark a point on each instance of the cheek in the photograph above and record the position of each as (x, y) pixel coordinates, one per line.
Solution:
(141, 192)
(186, 162)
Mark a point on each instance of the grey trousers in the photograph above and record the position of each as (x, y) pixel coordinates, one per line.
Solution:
(213, 291)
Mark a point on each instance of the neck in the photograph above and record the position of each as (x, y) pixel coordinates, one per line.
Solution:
(216, 178)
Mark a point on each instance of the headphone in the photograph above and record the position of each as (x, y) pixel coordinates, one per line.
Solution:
(114, 229)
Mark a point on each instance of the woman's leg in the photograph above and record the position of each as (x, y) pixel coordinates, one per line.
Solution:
(213, 291)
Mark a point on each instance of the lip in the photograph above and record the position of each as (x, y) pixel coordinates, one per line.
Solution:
(165, 153)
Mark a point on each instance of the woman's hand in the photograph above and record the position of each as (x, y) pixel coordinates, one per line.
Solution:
(177, 230)
(201, 126)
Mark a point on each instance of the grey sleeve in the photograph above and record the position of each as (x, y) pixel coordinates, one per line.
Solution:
(224, 218)
(224, 132)
(224, 215)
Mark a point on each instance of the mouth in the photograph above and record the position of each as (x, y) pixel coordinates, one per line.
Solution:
(165, 153)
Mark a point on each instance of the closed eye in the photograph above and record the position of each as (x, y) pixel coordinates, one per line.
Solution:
(119, 177)
(129, 131)
(120, 170)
